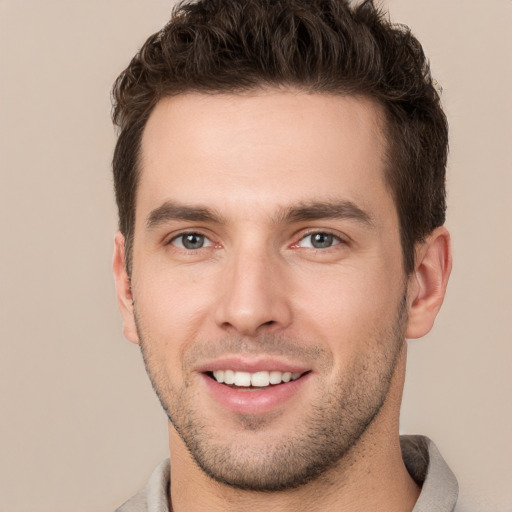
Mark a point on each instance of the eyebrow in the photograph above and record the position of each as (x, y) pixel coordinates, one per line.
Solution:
(170, 211)
(318, 210)
(315, 210)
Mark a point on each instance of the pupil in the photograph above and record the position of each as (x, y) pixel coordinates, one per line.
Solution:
(193, 241)
(322, 240)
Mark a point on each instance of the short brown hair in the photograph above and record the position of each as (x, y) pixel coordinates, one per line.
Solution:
(325, 46)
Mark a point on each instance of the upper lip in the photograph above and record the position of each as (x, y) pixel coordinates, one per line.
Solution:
(251, 365)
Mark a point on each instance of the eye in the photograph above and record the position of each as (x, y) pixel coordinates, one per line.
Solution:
(191, 241)
(319, 240)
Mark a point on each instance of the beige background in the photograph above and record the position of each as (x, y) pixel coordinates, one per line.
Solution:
(80, 429)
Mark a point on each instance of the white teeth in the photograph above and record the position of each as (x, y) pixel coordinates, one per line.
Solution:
(275, 377)
(242, 379)
(219, 375)
(229, 376)
(258, 379)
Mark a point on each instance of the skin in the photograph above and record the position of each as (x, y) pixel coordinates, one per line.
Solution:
(258, 288)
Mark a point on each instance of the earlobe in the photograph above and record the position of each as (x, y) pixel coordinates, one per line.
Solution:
(427, 284)
(123, 290)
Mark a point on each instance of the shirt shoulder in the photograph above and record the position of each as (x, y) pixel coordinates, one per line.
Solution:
(154, 497)
(439, 487)
(137, 503)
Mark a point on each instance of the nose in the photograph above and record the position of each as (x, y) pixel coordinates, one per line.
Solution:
(253, 295)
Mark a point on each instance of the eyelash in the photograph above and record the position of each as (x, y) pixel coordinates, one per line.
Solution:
(188, 233)
(338, 240)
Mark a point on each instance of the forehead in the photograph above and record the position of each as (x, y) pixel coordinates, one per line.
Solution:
(266, 149)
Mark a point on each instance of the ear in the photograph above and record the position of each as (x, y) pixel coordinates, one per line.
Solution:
(123, 290)
(427, 284)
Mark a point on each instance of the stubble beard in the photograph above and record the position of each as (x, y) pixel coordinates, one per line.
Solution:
(334, 424)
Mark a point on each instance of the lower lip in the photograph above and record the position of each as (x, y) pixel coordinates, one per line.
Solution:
(253, 400)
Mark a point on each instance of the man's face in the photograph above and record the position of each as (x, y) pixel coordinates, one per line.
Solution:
(267, 255)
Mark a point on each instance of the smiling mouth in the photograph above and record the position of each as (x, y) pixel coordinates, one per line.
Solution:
(257, 380)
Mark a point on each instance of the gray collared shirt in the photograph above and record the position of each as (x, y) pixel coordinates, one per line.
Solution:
(439, 488)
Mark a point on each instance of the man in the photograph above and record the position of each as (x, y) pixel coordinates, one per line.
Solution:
(279, 175)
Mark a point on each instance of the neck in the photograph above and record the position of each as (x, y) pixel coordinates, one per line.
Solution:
(371, 476)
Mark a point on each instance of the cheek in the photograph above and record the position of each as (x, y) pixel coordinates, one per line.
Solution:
(348, 308)
(172, 303)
